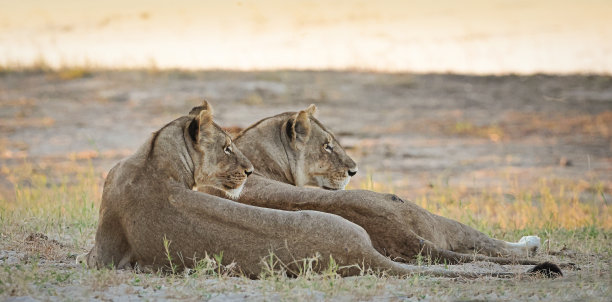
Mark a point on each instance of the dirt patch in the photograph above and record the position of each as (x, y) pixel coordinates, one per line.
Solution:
(473, 141)
(401, 128)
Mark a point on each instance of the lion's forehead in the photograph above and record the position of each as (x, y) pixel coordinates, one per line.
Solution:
(220, 132)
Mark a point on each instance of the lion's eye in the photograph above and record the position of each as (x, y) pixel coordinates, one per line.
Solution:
(228, 150)
(329, 148)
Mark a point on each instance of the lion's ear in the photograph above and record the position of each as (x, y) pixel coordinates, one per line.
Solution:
(205, 120)
(300, 128)
(193, 130)
(206, 112)
(195, 111)
(311, 110)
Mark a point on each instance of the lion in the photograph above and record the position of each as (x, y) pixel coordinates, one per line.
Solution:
(294, 149)
(152, 219)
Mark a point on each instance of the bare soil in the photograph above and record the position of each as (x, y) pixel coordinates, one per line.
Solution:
(406, 129)
(410, 131)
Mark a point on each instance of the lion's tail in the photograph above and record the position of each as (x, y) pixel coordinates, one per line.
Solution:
(546, 269)
(450, 257)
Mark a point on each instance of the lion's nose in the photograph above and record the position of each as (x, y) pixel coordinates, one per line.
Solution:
(352, 172)
(248, 172)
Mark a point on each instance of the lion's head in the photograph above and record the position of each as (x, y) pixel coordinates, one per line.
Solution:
(320, 159)
(219, 163)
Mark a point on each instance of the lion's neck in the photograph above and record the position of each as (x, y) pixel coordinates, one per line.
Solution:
(266, 147)
(167, 154)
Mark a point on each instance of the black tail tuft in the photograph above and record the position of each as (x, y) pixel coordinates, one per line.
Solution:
(547, 269)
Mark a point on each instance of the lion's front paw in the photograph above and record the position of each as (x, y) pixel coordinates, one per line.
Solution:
(532, 243)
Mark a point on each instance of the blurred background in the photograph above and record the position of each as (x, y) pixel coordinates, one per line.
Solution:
(472, 36)
(495, 113)
(469, 108)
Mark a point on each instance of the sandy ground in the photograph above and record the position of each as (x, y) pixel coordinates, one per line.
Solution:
(61, 279)
(407, 130)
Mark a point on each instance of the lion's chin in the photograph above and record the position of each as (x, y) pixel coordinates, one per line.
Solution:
(330, 189)
(332, 185)
(337, 186)
(234, 194)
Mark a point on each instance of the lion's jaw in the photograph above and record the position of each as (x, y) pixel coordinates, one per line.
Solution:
(332, 185)
(230, 183)
(234, 194)
(324, 175)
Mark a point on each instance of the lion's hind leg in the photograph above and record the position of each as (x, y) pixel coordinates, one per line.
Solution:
(111, 248)
(529, 244)
(462, 238)
(91, 260)
(440, 255)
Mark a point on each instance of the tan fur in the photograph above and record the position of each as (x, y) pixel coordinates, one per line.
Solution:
(398, 228)
(148, 199)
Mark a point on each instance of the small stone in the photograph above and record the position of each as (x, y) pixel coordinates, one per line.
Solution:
(565, 162)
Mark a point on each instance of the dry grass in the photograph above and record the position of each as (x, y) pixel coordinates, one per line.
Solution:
(64, 72)
(65, 210)
(547, 204)
(516, 125)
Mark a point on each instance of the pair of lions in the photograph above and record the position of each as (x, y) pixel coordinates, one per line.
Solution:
(148, 200)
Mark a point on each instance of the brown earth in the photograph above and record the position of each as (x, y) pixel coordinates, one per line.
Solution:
(405, 129)
(410, 131)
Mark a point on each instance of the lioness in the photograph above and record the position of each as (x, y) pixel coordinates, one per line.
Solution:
(149, 212)
(295, 149)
